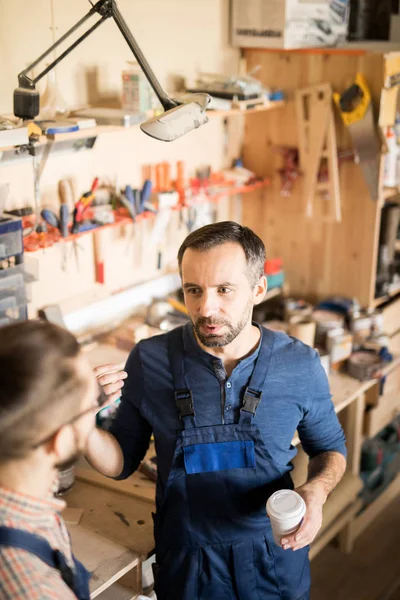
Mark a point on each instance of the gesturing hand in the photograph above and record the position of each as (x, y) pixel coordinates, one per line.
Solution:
(111, 378)
(312, 519)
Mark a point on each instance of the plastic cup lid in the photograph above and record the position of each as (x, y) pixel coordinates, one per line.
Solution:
(285, 504)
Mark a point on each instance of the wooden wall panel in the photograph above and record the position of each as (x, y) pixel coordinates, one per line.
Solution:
(320, 258)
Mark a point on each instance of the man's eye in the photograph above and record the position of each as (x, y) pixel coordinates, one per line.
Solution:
(224, 290)
(193, 291)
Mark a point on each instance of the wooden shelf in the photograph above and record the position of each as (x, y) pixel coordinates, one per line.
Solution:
(238, 111)
(349, 48)
(82, 133)
(107, 561)
(346, 389)
(100, 129)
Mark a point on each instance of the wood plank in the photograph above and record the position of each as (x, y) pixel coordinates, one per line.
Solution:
(72, 516)
(136, 486)
(312, 116)
(106, 560)
(334, 212)
(122, 519)
(117, 592)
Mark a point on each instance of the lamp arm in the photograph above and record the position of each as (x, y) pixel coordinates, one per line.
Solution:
(25, 81)
(106, 9)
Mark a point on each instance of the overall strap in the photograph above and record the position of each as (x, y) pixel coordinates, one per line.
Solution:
(183, 395)
(17, 538)
(253, 393)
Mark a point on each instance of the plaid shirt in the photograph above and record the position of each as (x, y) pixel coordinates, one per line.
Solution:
(24, 576)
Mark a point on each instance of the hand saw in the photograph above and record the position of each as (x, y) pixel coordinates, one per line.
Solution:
(355, 108)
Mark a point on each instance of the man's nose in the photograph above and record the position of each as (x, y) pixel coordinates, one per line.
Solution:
(208, 305)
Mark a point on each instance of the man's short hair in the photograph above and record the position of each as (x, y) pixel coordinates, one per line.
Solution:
(216, 234)
(40, 385)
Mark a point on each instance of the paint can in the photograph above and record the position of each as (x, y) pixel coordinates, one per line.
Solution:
(326, 320)
(339, 344)
(360, 324)
(377, 320)
(363, 365)
(303, 331)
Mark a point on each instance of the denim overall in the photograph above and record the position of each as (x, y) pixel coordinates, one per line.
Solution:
(213, 537)
(76, 579)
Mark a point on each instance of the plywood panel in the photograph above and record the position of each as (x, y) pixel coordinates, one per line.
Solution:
(320, 258)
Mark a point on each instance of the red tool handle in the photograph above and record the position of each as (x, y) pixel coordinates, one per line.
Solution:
(95, 185)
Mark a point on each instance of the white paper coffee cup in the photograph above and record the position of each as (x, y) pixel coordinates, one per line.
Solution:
(286, 510)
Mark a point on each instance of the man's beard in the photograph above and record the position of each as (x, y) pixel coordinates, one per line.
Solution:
(216, 340)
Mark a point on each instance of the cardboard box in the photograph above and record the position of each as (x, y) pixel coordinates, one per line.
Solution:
(289, 23)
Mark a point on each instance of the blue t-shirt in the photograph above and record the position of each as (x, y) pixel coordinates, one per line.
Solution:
(296, 396)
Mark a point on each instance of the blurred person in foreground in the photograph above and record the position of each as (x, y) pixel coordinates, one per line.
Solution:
(48, 403)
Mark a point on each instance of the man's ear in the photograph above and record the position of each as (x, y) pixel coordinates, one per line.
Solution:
(260, 290)
(62, 443)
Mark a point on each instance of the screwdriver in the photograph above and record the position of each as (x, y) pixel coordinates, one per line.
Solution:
(50, 217)
(145, 194)
(64, 218)
(128, 201)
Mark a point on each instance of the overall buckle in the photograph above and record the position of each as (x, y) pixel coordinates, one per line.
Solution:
(251, 400)
(184, 403)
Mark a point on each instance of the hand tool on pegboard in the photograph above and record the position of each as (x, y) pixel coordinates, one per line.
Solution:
(290, 171)
(355, 109)
(312, 111)
(82, 205)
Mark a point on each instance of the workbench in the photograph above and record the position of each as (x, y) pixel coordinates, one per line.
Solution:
(115, 533)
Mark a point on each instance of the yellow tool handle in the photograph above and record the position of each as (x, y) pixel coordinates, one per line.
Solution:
(359, 111)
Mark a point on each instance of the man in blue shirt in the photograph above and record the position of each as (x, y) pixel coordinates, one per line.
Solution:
(224, 398)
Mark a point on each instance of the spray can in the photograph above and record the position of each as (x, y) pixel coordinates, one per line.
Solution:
(392, 159)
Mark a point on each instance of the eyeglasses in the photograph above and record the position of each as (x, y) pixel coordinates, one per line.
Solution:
(101, 400)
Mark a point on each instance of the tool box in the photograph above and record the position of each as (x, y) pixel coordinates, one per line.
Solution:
(289, 23)
(13, 275)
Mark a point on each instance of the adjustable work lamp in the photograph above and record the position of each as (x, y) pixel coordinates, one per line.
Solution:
(179, 117)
